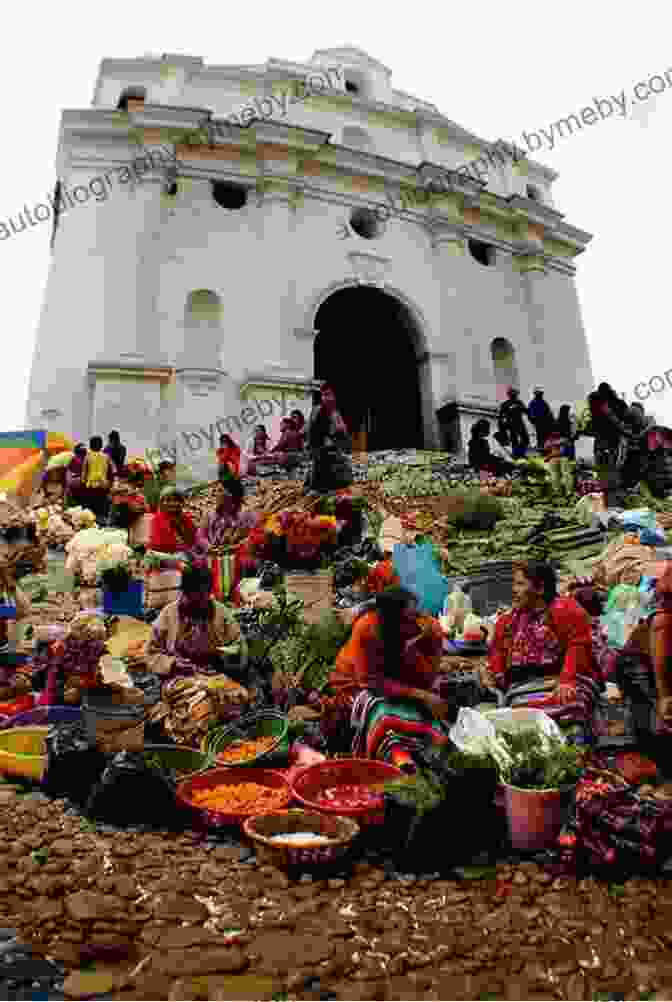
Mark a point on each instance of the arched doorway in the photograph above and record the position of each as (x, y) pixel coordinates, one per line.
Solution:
(367, 349)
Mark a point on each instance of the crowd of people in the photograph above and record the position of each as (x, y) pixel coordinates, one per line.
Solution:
(620, 431)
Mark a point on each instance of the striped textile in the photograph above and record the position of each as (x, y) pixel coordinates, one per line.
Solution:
(581, 722)
(390, 731)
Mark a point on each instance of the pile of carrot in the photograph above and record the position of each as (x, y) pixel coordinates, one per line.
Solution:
(240, 798)
(245, 751)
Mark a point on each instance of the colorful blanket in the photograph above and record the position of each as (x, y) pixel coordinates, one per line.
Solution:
(391, 731)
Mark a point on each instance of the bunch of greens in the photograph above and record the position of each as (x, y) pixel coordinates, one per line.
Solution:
(282, 618)
(423, 791)
(541, 762)
(469, 509)
(308, 653)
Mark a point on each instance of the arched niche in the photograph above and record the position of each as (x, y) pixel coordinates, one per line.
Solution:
(503, 356)
(203, 334)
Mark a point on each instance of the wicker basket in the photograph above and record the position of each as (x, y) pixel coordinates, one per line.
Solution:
(260, 830)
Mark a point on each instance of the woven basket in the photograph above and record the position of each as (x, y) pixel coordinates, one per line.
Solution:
(341, 831)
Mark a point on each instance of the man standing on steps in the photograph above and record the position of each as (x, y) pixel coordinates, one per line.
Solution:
(512, 416)
(541, 416)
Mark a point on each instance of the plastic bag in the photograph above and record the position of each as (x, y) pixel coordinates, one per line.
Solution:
(418, 572)
(476, 734)
(73, 764)
(625, 606)
(642, 518)
(130, 791)
(522, 718)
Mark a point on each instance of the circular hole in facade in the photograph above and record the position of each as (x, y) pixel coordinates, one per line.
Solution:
(171, 188)
(533, 193)
(351, 87)
(483, 253)
(229, 195)
(367, 224)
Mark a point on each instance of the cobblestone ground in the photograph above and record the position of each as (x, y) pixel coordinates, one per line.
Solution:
(142, 915)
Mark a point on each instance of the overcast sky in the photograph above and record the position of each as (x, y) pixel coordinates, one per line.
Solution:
(497, 69)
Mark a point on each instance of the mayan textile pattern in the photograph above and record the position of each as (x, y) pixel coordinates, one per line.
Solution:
(532, 639)
(582, 722)
(391, 731)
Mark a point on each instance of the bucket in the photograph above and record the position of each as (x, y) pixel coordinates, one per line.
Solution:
(535, 817)
(115, 718)
(124, 603)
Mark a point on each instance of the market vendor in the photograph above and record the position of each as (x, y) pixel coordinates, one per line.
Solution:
(228, 457)
(188, 634)
(217, 526)
(173, 529)
(383, 679)
(11, 594)
(542, 651)
(73, 475)
(329, 442)
(284, 452)
(480, 455)
(300, 427)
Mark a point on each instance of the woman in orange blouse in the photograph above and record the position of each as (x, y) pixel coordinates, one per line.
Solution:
(383, 680)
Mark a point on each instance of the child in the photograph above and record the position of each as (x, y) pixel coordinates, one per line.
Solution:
(97, 477)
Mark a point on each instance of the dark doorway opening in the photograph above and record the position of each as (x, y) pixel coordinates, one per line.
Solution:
(365, 350)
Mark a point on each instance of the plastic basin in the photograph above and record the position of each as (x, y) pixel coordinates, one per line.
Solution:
(179, 757)
(23, 752)
(221, 776)
(310, 782)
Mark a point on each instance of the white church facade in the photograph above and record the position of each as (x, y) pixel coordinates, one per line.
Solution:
(252, 230)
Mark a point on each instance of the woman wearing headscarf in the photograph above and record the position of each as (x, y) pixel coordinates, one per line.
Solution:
(329, 442)
(189, 632)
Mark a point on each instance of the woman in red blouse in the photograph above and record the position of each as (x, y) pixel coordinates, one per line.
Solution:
(173, 530)
(545, 636)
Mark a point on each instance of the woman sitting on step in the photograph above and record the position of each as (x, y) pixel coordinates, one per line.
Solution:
(188, 635)
(542, 653)
(384, 705)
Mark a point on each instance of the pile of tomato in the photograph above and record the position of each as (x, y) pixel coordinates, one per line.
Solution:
(354, 796)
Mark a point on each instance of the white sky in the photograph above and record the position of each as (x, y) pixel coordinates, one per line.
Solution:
(497, 69)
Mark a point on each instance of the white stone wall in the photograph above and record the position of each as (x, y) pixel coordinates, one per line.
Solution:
(122, 271)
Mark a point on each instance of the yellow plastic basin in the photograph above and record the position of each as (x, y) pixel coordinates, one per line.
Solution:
(23, 752)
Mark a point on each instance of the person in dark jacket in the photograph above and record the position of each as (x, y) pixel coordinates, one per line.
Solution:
(512, 416)
(541, 416)
(480, 456)
(608, 417)
(330, 444)
(116, 452)
(566, 428)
